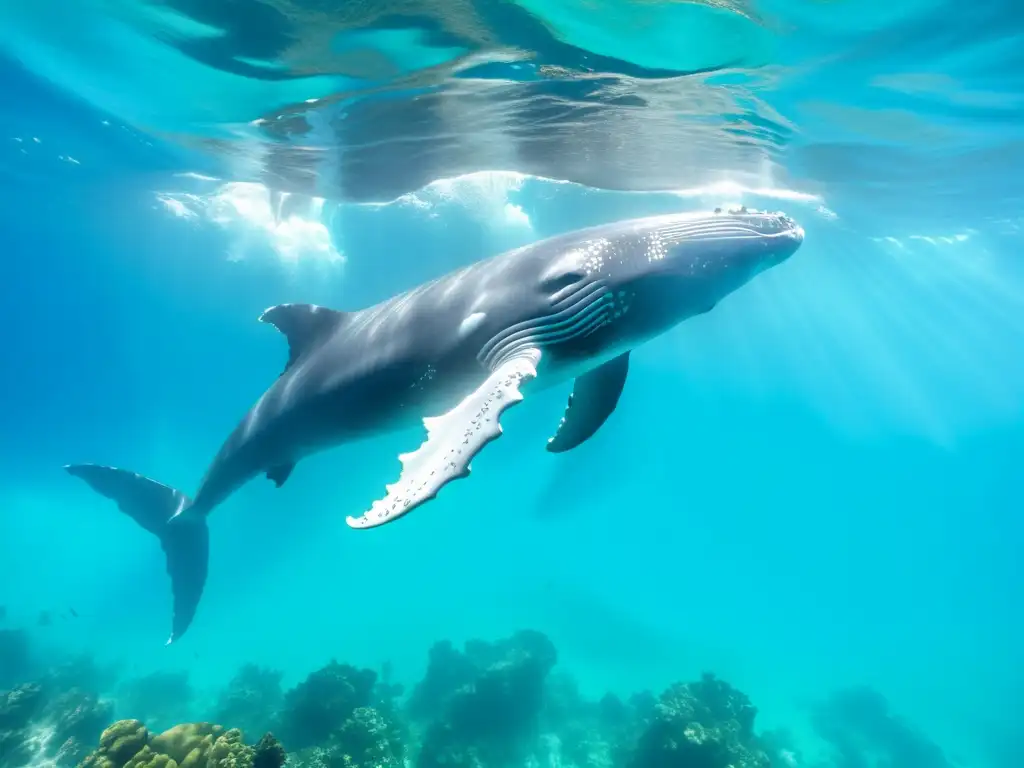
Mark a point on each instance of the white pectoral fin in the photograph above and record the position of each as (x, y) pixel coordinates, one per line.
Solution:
(452, 441)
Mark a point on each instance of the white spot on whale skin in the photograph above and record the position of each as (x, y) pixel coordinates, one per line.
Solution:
(471, 323)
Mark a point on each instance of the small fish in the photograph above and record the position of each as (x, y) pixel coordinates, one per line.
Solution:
(73, 612)
(45, 619)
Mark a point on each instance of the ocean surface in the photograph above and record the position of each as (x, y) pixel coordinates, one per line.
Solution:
(813, 491)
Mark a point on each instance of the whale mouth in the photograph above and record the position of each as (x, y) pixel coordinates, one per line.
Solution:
(784, 242)
(792, 231)
(773, 235)
(773, 225)
(781, 232)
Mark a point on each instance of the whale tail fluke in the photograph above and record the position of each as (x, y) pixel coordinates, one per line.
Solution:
(185, 540)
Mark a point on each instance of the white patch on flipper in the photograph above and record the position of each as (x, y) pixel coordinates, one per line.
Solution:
(452, 441)
(471, 323)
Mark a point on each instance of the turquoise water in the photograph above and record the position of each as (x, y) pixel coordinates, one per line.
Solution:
(813, 488)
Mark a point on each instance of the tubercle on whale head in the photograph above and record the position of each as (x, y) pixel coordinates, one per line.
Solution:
(767, 223)
(694, 260)
(731, 230)
(738, 237)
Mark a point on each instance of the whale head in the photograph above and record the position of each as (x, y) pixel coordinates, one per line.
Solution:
(609, 288)
(669, 268)
(711, 255)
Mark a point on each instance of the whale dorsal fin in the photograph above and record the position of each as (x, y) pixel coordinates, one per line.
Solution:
(304, 325)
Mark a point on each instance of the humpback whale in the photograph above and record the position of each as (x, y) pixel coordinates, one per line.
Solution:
(454, 354)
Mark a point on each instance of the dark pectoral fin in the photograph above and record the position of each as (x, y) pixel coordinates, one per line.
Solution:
(594, 397)
(279, 474)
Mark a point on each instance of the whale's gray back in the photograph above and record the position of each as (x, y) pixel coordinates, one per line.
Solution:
(580, 296)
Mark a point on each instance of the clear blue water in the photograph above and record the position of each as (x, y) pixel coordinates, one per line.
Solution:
(813, 487)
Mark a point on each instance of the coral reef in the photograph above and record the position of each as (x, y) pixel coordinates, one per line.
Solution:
(447, 671)
(54, 718)
(367, 739)
(317, 708)
(706, 724)
(268, 753)
(76, 716)
(119, 744)
(483, 704)
(252, 699)
(18, 708)
(386, 693)
(592, 734)
(128, 744)
(491, 704)
(36, 723)
(340, 716)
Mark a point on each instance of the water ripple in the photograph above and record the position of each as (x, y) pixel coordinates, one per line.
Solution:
(878, 104)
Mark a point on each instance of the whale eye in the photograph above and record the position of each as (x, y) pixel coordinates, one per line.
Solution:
(562, 281)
